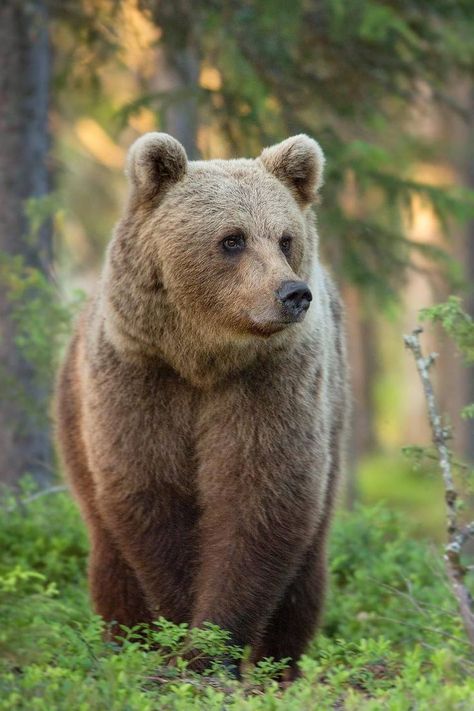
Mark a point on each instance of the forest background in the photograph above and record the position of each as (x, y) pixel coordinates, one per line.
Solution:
(386, 87)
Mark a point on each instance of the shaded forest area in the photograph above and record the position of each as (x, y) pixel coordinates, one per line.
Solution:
(386, 87)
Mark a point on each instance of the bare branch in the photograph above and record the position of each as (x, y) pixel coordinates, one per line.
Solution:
(456, 535)
(36, 495)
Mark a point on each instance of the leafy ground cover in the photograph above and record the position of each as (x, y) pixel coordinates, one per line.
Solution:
(391, 637)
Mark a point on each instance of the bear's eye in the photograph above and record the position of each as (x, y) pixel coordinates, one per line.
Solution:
(233, 243)
(285, 244)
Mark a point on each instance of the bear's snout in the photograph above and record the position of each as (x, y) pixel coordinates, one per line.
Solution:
(295, 298)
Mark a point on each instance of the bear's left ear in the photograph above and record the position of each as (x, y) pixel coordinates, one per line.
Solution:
(155, 161)
(298, 162)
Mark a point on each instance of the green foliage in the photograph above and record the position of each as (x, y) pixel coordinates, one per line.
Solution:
(38, 211)
(385, 582)
(42, 324)
(391, 638)
(468, 412)
(460, 328)
(456, 322)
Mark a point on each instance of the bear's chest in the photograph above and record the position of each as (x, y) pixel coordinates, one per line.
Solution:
(143, 419)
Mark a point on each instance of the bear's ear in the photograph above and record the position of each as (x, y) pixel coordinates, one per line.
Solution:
(155, 161)
(298, 162)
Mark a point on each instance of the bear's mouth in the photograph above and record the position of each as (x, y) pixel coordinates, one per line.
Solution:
(269, 328)
(269, 324)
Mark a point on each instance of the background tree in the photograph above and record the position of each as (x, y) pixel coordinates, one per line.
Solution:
(25, 59)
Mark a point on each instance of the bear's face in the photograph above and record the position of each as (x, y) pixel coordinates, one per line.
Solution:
(226, 243)
(231, 243)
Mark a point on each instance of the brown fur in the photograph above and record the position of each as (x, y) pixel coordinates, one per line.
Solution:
(201, 434)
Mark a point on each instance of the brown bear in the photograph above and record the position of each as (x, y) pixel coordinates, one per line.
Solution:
(202, 403)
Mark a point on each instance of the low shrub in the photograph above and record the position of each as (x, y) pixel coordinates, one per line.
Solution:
(391, 638)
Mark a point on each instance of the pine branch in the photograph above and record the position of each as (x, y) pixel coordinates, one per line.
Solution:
(456, 534)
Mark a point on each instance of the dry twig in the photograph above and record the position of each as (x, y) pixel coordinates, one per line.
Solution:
(457, 534)
(38, 494)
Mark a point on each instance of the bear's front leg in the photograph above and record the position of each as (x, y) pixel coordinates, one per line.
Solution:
(296, 618)
(155, 530)
(138, 425)
(259, 499)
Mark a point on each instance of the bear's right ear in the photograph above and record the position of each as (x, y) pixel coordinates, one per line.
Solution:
(155, 161)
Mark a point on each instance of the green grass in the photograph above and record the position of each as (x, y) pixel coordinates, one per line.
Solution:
(391, 638)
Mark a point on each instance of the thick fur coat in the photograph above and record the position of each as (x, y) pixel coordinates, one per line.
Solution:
(201, 420)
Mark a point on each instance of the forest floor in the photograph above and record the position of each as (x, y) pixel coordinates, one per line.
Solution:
(391, 637)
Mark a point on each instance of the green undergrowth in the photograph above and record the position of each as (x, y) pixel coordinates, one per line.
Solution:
(417, 491)
(391, 637)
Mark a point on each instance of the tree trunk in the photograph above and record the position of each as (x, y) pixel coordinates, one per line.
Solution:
(178, 73)
(455, 382)
(25, 61)
(470, 273)
(177, 70)
(361, 342)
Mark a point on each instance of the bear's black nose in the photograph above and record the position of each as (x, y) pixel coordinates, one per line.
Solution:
(295, 297)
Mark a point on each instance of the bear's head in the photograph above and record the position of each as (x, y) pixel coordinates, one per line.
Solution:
(224, 247)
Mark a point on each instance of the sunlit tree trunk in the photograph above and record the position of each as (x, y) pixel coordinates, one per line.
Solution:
(24, 96)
